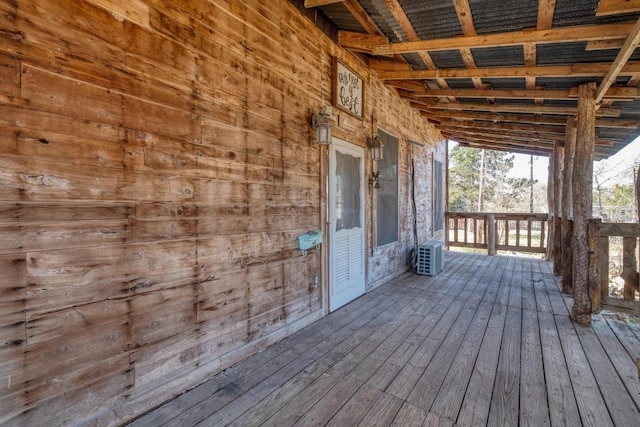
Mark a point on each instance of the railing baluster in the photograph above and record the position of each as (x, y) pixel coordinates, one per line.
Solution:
(529, 233)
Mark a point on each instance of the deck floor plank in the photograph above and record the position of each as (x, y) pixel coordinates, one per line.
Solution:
(383, 411)
(534, 410)
(621, 406)
(563, 409)
(593, 410)
(505, 398)
(618, 355)
(486, 342)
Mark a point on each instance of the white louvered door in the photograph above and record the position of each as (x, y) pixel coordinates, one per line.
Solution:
(346, 205)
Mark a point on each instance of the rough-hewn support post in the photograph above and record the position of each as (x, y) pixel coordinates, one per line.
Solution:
(582, 202)
(550, 207)
(567, 206)
(558, 213)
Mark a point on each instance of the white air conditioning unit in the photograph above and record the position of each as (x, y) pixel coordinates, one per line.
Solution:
(430, 258)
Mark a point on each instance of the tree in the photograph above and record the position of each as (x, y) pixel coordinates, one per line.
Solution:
(500, 193)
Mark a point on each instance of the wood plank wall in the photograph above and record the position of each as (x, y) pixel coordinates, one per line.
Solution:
(156, 166)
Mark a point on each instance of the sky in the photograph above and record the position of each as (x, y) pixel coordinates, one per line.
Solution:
(621, 160)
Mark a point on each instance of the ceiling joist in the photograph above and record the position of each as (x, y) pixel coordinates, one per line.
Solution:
(524, 119)
(509, 108)
(617, 93)
(623, 56)
(554, 35)
(575, 70)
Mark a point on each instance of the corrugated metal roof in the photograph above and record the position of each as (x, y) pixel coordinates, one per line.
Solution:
(448, 59)
(499, 16)
(499, 56)
(433, 19)
(438, 19)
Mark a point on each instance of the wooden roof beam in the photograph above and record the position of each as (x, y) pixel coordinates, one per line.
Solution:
(525, 118)
(516, 38)
(617, 93)
(317, 3)
(495, 93)
(508, 108)
(362, 16)
(465, 17)
(493, 144)
(377, 64)
(506, 136)
(615, 7)
(360, 42)
(575, 70)
(623, 56)
(507, 127)
(546, 10)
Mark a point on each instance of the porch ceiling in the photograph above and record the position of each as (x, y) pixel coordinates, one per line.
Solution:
(502, 74)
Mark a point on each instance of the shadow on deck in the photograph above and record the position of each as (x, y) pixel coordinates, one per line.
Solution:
(486, 342)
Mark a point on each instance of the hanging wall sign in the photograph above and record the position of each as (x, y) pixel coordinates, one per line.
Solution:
(348, 90)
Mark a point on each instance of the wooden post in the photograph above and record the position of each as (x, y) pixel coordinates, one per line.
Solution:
(558, 213)
(594, 283)
(550, 206)
(567, 206)
(582, 202)
(603, 265)
(491, 234)
(629, 267)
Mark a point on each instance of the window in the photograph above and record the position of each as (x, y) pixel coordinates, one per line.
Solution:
(387, 194)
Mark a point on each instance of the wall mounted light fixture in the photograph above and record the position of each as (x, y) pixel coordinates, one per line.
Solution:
(322, 121)
(376, 147)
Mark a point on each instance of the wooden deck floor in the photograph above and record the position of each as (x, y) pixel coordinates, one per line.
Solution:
(486, 342)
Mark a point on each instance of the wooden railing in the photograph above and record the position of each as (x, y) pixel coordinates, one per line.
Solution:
(519, 232)
(599, 234)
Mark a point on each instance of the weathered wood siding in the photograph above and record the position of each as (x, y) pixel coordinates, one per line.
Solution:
(156, 166)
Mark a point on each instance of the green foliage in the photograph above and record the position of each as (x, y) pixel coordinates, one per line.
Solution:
(501, 193)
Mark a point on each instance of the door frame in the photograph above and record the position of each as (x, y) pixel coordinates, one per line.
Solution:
(330, 207)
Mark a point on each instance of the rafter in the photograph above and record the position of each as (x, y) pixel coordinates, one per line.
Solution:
(617, 93)
(504, 127)
(614, 93)
(463, 10)
(316, 3)
(623, 56)
(555, 35)
(404, 22)
(575, 70)
(362, 16)
(504, 136)
(365, 41)
(492, 93)
(440, 115)
(509, 108)
(503, 143)
(546, 10)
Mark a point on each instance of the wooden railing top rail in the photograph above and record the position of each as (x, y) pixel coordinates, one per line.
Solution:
(493, 231)
(501, 215)
(624, 229)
